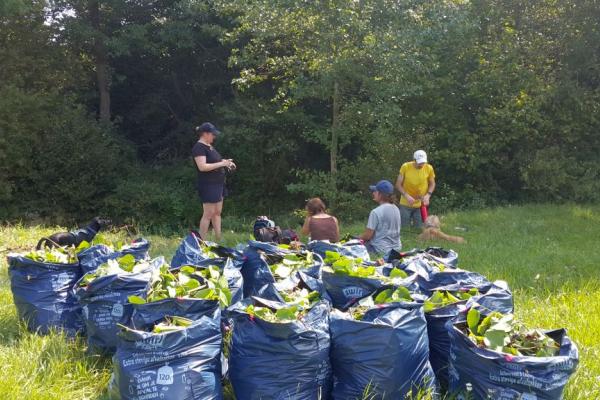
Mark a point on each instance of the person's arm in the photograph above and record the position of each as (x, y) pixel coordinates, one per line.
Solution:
(337, 229)
(399, 182)
(430, 189)
(371, 227)
(367, 235)
(305, 228)
(203, 166)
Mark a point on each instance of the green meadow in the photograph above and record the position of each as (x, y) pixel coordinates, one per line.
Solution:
(548, 255)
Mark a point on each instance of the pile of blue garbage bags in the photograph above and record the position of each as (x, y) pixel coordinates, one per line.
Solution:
(391, 351)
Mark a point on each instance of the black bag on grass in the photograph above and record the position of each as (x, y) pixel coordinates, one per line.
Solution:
(177, 365)
(352, 248)
(493, 296)
(105, 304)
(43, 294)
(490, 374)
(235, 281)
(93, 257)
(383, 356)
(280, 360)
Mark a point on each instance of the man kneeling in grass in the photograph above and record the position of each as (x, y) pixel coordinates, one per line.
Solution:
(382, 234)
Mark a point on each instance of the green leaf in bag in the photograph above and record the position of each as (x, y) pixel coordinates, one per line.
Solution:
(473, 317)
(136, 300)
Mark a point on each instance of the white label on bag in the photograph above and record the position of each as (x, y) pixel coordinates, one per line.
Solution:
(117, 310)
(353, 292)
(164, 376)
(61, 280)
(528, 396)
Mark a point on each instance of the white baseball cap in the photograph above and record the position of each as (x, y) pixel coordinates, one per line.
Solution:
(420, 157)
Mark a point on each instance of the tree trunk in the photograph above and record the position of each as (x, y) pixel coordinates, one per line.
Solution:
(101, 61)
(333, 152)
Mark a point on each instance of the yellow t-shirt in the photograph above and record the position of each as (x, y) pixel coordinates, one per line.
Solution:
(416, 181)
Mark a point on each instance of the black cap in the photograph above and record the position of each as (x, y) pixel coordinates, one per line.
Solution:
(208, 127)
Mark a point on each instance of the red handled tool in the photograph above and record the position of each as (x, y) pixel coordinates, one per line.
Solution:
(424, 213)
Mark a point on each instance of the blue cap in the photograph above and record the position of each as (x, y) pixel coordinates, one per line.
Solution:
(383, 186)
(208, 127)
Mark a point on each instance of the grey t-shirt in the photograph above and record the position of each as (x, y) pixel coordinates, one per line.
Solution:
(385, 221)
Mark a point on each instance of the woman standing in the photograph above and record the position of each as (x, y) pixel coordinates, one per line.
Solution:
(211, 178)
(318, 224)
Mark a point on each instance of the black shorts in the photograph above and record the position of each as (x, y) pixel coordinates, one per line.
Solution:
(212, 192)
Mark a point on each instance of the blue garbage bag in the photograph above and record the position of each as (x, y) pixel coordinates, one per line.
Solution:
(351, 248)
(437, 254)
(297, 280)
(190, 252)
(177, 365)
(145, 315)
(227, 267)
(280, 360)
(492, 296)
(383, 356)
(345, 290)
(422, 264)
(483, 373)
(105, 304)
(93, 257)
(255, 268)
(460, 278)
(43, 294)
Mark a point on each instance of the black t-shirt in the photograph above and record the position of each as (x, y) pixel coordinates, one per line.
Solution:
(212, 156)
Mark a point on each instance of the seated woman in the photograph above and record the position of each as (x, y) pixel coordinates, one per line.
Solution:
(382, 233)
(432, 230)
(319, 225)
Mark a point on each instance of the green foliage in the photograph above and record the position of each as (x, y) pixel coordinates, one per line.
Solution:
(355, 267)
(292, 263)
(390, 295)
(171, 323)
(393, 295)
(502, 333)
(162, 196)
(504, 96)
(56, 150)
(121, 265)
(298, 302)
(351, 266)
(57, 255)
(187, 282)
(443, 298)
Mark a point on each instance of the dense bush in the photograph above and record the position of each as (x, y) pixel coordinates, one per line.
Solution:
(155, 196)
(314, 99)
(57, 160)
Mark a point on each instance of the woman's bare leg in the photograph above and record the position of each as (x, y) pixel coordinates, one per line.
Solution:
(207, 215)
(216, 219)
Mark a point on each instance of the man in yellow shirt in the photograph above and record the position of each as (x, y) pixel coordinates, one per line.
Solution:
(416, 183)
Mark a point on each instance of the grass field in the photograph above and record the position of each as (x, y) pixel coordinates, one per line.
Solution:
(547, 254)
